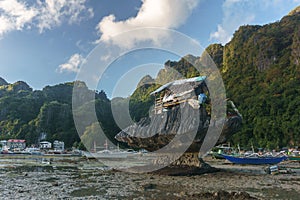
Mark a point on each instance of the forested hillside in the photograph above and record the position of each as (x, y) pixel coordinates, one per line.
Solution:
(261, 71)
(47, 114)
(260, 67)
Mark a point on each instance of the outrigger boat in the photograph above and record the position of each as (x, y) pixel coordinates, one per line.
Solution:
(255, 160)
(294, 158)
(109, 154)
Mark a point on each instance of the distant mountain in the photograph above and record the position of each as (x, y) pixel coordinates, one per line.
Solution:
(28, 114)
(3, 82)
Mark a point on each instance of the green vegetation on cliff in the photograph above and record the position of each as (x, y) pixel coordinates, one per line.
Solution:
(260, 67)
(47, 114)
(261, 72)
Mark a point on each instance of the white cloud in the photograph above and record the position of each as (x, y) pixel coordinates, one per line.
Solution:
(72, 65)
(234, 15)
(53, 12)
(241, 12)
(221, 35)
(17, 14)
(153, 13)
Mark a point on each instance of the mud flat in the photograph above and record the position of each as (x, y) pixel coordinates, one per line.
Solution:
(77, 178)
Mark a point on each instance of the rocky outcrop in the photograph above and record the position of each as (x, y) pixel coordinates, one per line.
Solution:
(6, 88)
(295, 11)
(295, 59)
(146, 80)
(216, 53)
(177, 134)
(158, 130)
(185, 122)
(20, 86)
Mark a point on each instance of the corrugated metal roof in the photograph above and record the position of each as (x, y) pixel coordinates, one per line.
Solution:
(179, 82)
(16, 140)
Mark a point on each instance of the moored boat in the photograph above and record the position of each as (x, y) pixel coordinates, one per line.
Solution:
(294, 155)
(109, 154)
(218, 151)
(294, 158)
(5, 150)
(254, 160)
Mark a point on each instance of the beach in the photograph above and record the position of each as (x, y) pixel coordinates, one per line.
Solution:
(79, 178)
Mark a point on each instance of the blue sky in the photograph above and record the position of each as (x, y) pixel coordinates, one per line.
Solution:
(43, 42)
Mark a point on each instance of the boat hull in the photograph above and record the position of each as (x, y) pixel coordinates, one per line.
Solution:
(110, 155)
(254, 161)
(294, 158)
(217, 156)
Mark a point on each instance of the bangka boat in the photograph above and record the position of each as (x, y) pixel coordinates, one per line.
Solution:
(294, 158)
(5, 150)
(294, 155)
(218, 151)
(117, 154)
(255, 160)
(108, 153)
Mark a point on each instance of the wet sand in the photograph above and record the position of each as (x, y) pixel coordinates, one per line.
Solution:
(78, 178)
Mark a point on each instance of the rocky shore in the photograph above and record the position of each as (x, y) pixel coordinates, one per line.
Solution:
(88, 179)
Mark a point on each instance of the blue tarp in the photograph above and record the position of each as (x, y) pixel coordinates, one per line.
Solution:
(202, 98)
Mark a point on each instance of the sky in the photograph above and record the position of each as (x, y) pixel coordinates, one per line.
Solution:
(45, 42)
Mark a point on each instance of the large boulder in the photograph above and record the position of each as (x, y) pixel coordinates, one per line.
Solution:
(182, 124)
(177, 135)
(190, 125)
(158, 130)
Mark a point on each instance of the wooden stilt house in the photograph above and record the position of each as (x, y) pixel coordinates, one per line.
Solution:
(180, 91)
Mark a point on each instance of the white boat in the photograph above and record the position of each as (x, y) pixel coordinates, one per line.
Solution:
(33, 151)
(109, 154)
(46, 162)
(5, 150)
(114, 154)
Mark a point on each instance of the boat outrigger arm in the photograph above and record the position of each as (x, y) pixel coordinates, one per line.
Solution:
(234, 108)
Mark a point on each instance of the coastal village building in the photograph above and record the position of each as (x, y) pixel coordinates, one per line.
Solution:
(45, 145)
(16, 144)
(3, 143)
(58, 145)
(190, 90)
